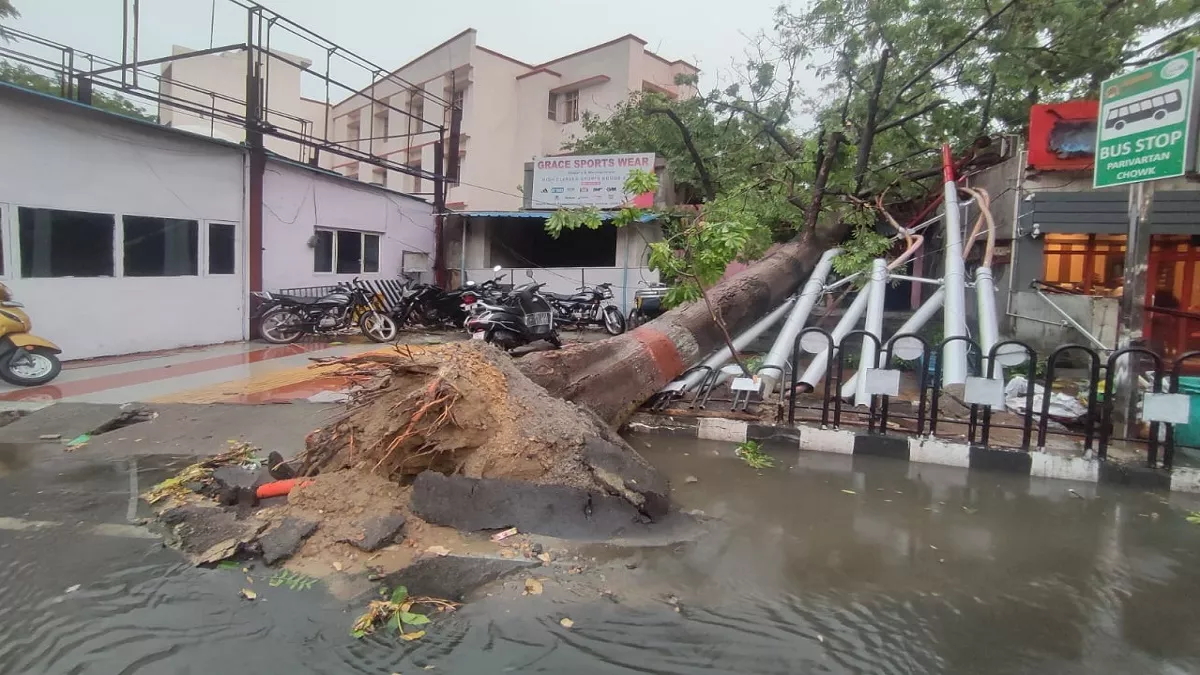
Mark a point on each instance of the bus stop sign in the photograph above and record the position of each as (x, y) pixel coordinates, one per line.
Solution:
(1146, 129)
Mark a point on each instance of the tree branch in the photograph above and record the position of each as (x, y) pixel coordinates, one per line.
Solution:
(710, 190)
(867, 138)
(822, 179)
(911, 116)
(947, 54)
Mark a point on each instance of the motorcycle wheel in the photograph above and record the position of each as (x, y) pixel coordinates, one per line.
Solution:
(280, 326)
(504, 339)
(30, 367)
(614, 323)
(379, 327)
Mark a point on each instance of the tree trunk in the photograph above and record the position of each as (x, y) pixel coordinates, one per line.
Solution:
(615, 376)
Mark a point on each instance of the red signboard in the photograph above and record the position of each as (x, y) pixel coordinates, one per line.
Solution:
(1062, 136)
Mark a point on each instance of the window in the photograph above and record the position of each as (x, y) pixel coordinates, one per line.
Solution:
(456, 102)
(160, 247)
(370, 253)
(1087, 263)
(222, 247)
(323, 251)
(379, 176)
(346, 252)
(570, 107)
(55, 243)
(552, 106)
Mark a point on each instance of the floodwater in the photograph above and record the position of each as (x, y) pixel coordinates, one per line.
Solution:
(824, 564)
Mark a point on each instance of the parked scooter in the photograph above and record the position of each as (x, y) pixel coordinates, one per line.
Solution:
(647, 304)
(25, 359)
(588, 308)
(290, 316)
(521, 317)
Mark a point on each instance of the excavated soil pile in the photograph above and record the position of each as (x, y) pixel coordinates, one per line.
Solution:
(463, 409)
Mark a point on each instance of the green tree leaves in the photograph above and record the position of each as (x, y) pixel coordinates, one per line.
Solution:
(24, 76)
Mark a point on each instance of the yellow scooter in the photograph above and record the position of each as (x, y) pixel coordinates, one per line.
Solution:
(25, 359)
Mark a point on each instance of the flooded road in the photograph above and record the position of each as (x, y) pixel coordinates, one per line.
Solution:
(825, 563)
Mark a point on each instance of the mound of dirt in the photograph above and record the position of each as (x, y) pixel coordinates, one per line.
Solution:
(464, 409)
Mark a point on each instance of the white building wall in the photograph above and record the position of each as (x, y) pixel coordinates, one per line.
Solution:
(62, 156)
(297, 201)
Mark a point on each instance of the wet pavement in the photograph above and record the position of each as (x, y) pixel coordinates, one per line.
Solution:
(826, 563)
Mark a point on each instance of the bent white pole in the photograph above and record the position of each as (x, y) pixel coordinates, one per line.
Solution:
(909, 348)
(954, 319)
(869, 353)
(816, 370)
(741, 341)
(772, 365)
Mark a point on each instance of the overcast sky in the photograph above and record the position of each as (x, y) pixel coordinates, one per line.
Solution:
(708, 33)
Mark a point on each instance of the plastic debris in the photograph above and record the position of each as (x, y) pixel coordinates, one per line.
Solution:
(504, 534)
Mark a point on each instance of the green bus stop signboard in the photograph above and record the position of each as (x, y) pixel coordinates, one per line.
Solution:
(1145, 129)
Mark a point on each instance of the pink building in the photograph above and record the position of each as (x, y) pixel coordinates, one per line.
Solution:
(512, 111)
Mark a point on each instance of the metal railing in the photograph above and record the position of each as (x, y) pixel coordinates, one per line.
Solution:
(1094, 428)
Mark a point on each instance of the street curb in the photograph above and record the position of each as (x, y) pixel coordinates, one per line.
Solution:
(919, 450)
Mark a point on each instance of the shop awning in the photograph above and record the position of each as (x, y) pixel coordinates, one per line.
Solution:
(604, 215)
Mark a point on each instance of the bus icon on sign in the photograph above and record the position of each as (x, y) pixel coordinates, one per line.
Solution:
(1155, 107)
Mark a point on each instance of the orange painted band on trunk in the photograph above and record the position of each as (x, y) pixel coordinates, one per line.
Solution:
(662, 351)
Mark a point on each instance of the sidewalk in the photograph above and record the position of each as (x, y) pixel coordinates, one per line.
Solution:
(253, 367)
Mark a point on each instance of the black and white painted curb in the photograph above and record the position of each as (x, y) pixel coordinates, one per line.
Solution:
(922, 450)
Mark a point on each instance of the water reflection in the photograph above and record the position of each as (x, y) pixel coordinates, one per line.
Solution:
(825, 564)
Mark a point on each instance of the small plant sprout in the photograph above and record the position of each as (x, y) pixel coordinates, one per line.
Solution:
(752, 454)
(397, 613)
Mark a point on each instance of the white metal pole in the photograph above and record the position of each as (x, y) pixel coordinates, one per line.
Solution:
(869, 354)
(911, 349)
(954, 318)
(816, 370)
(772, 365)
(741, 341)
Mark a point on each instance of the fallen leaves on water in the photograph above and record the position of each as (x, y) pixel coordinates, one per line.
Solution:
(338, 566)
(438, 550)
(691, 479)
(1193, 517)
(753, 455)
(850, 492)
(397, 613)
(248, 594)
(969, 510)
(544, 557)
(533, 586)
(565, 622)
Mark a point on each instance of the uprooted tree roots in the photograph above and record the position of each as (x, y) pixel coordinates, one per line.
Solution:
(464, 409)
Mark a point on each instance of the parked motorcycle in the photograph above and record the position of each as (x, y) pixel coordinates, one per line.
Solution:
(288, 317)
(588, 308)
(647, 304)
(521, 317)
(430, 306)
(25, 359)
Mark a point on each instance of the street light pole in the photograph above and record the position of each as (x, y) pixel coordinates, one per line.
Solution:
(1133, 299)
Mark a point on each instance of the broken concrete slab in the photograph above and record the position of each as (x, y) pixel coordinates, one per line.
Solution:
(378, 532)
(207, 534)
(283, 540)
(452, 577)
(555, 510)
(621, 471)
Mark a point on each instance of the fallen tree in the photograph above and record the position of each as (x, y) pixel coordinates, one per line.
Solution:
(614, 376)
